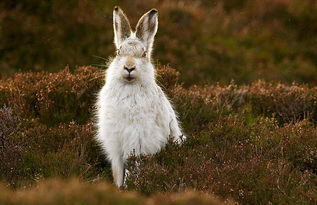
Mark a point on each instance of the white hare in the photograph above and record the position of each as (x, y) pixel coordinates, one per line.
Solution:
(134, 115)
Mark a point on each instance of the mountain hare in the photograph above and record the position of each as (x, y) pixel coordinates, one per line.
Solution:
(134, 115)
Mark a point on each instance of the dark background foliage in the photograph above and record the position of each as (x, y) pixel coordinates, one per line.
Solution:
(207, 40)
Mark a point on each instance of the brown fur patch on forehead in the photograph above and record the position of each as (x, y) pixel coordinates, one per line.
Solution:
(132, 47)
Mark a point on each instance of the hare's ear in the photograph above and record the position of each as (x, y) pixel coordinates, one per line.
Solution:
(147, 28)
(121, 26)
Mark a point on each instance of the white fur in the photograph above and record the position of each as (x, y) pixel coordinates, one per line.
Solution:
(133, 117)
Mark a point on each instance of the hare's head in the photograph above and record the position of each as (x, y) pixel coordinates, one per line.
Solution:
(133, 60)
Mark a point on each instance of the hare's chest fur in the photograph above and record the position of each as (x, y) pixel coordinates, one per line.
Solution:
(133, 114)
(133, 119)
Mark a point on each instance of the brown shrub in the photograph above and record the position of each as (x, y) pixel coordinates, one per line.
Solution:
(53, 98)
(75, 192)
(251, 163)
(287, 103)
(65, 150)
(8, 126)
(55, 137)
(167, 77)
(254, 143)
(10, 152)
(64, 96)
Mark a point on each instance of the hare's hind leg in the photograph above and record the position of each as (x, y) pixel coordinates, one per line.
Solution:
(117, 166)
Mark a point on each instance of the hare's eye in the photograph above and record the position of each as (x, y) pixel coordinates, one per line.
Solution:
(144, 54)
(118, 51)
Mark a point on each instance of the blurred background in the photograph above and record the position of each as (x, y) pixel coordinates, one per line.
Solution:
(208, 41)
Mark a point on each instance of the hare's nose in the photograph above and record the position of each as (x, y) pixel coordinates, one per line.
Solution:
(129, 69)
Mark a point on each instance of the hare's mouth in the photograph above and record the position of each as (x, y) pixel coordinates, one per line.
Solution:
(129, 78)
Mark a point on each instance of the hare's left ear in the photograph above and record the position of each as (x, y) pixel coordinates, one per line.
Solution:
(121, 26)
(147, 28)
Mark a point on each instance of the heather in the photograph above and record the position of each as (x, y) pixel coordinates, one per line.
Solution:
(240, 73)
(251, 144)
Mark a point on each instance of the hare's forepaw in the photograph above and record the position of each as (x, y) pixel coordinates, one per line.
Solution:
(180, 139)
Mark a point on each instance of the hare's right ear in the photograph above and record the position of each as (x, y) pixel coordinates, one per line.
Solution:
(147, 28)
(121, 26)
